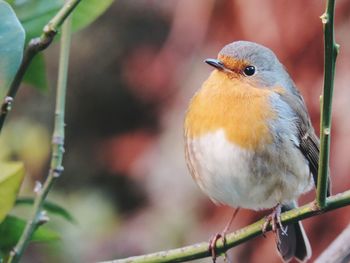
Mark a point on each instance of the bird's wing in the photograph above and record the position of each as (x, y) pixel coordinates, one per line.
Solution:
(309, 143)
(309, 146)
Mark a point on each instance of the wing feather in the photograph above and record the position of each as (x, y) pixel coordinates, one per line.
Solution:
(309, 143)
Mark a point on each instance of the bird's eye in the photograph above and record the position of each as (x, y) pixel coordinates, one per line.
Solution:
(249, 70)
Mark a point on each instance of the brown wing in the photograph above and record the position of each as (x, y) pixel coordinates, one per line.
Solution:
(309, 143)
(309, 146)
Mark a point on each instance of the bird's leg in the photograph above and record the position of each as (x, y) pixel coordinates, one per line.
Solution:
(217, 236)
(212, 246)
(275, 219)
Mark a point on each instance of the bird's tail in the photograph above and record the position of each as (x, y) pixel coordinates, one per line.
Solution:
(293, 243)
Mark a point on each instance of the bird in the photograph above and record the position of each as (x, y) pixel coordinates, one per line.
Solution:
(249, 141)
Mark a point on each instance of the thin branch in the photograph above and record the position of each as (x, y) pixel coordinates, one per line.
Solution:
(35, 46)
(200, 250)
(339, 250)
(331, 50)
(39, 215)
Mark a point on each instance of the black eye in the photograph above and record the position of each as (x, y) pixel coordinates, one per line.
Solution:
(249, 70)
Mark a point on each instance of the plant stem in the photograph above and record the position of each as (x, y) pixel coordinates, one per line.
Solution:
(331, 50)
(39, 215)
(35, 46)
(200, 250)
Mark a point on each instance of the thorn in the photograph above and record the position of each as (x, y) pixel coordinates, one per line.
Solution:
(43, 218)
(8, 101)
(13, 252)
(327, 131)
(58, 140)
(58, 171)
(321, 98)
(337, 47)
(34, 43)
(37, 188)
(324, 18)
(47, 29)
(50, 30)
(7, 105)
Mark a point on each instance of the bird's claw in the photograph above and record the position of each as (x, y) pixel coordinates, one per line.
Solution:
(212, 246)
(275, 219)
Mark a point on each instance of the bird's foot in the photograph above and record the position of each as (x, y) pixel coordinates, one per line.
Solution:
(275, 219)
(212, 244)
(217, 236)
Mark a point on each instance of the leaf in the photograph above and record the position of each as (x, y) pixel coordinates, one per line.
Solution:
(11, 46)
(36, 73)
(11, 176)
(87, 12)
(35, 14)
(11, 230)
(50, 207)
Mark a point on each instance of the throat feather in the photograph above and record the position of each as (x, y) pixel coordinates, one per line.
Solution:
(238, 108)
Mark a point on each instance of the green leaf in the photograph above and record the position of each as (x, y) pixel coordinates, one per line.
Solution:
(11, 46)
(36, 73)
(11, 176)
(35, 14)
(87, 12)
(11, 230)
(48, 206)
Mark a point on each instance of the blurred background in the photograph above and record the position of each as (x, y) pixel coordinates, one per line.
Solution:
(132, 74)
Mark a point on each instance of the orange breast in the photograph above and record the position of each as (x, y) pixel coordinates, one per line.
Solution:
(233, 105)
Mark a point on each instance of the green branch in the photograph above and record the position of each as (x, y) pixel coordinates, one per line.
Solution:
(35, 46)
(200, 250)
(331, 50)
(39, 215)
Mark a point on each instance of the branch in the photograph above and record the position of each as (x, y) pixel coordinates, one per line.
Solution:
(35, 46)
(39, 215)
(200, 250)
(339, 250)
(331, 50)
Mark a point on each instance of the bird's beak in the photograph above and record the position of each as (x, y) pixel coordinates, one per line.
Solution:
(215, 63)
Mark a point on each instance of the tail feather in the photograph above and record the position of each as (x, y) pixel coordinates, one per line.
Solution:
(294, 243)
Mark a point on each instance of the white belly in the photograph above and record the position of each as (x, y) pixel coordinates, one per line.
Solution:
(238, 177)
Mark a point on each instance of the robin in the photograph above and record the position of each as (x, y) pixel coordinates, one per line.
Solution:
(249, 141)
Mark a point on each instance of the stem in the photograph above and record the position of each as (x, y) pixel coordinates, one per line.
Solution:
(39, 215)
(200, 250)
(35, 46)
(331, 50)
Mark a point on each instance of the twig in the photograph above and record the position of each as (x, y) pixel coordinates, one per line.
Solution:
(339, 250)
(35, 46)
(39, 215)
(200, 250)
(331, 50)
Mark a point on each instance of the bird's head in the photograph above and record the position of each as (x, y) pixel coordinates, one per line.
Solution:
(250, 62)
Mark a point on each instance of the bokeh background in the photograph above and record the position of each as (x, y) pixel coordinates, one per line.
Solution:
(132, 74)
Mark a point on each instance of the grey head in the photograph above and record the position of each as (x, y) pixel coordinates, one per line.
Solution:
(252, 61)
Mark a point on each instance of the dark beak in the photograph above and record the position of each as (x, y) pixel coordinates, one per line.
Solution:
(215, 63)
